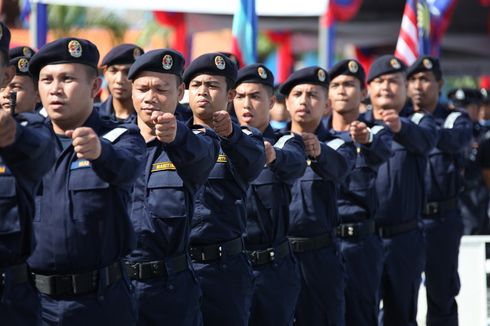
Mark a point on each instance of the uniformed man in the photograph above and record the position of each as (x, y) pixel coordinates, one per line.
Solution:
(115, 66)
(473, 201)
(313, 208)
(82, 228)
(179, 159)
(361, 246)
(441, 216)
(22, 85)
(277, 274)
(400, 188)
(26, 154)
(219, 220)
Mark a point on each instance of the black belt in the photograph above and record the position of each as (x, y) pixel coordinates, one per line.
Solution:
(433, 208)
(216, 251)
(16, 274)
(392, 230)
(76, 284)
(158, 268)
(262, 257)
(356, 231)
(299, 244)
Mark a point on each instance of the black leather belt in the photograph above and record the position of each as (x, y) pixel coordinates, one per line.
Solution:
(262, 257)
(392, 230)
(433, 208)
(158, 268)
(16, 274)
(216, 251)
(299, 244)
(76, 284)
(356, 231)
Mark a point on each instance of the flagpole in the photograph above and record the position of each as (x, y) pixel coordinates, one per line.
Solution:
(322, 42)
(33, 23)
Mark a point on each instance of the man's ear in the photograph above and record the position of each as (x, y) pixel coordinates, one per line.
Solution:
(95, 86)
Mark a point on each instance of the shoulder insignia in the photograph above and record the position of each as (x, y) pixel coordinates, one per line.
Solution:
(199, 131)
(80, 164)
(282, 141)
(336, 143)
(162, 166)
(246, 131)
(24, 123)
(417, 117)
(114, 134)
(451, 119)
(43, 112)
(376, 129)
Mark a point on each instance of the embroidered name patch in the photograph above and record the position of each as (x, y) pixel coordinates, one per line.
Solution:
(162, 166)
(222, 158)
(80, 164)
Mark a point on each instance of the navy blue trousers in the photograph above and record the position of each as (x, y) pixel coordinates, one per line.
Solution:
(402, 272)
(19, 304)
(227, 285)
(443, 237)
(172, 300)
(321, 299)
(363, 262)
(110, 305)
(277, 287)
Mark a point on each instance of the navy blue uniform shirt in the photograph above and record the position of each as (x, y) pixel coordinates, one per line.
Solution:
(82, 221)
(163, 196)
(106, 110)
(269, 195)
(313, 208)
(400, 182)
(220, 205)
(22, 166)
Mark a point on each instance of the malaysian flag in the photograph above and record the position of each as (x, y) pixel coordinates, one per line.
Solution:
(423, 24)
(244, 30)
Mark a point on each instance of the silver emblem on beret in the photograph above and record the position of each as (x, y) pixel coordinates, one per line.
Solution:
(459, 94)
(23, 65)
(395, 63)
(427, 63)
(75, 49)
(167, 62)
(219, 62)
(262, 73)
(321, 75)
(353, 66)
(136, 53)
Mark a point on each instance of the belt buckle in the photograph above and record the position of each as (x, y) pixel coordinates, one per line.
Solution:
(350, 231)
(272, 254)
(432, 208)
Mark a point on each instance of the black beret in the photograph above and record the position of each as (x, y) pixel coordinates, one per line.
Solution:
(386, 64)
(164, 61)
(122, 54)
(21, 65)
(464, 96)
(215, 63)
(4, 40)
(255, 73)
(310, 75)
(348, 67)
(21, 51)
(425, 63)
(65, 50)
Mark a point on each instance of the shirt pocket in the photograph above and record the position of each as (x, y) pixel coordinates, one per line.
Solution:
(166, 195)
(9, 221)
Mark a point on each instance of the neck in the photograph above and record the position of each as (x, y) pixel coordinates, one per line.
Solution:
(122, 108)
(341, 122)
(430, 108)
(303, 127)
(199, 121)
(146, 131)
(59, 127)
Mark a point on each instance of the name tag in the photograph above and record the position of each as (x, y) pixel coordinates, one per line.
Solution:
(162, 166)
(222, 158)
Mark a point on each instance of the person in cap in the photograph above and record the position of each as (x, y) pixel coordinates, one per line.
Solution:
(313, 208)
(357, 199)
(400, 188)
(82, 228)
(115, 66)
(441, 217)
(279, 115)
(219, 220)
(179, 159)
(22, 84)
(277, 282)
(26, 154)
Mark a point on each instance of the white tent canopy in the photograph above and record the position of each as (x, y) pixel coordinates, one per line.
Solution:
(224, 7)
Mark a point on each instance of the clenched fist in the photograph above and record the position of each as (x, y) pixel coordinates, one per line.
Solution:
(392, 120)
(312, 144)
(270, 152)
(165, 126)
(8, 127)
(85, 142)
(222, 123)
(359, 132)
